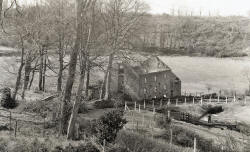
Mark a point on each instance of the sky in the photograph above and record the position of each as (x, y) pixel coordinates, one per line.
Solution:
(206, 7)
(215, 7)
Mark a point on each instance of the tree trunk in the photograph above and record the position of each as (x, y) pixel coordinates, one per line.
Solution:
(19, 75)
(40, 85)
(60, 73)
(108, 81)
(44, 73)
(72, 69)
(33, 74)
(26, 74)
(71, 126)
(102, 90)
(87, 79)
(1, 7)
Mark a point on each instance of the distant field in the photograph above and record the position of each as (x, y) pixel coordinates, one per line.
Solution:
(197, 73)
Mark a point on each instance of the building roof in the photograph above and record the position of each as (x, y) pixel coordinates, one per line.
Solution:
(150, 65)
(154, 64)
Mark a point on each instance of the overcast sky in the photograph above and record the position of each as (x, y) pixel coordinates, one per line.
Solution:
(221, 7)
(215, 7)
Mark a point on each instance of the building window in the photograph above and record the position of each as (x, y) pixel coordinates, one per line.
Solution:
(177, 80)
(171, 84)
(155, 78)
(121, 69)
(172, 93)
(145, 80)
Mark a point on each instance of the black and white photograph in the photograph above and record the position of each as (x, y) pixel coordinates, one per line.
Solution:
(124, 76)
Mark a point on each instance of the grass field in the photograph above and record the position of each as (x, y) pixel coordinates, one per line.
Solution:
(196, 73)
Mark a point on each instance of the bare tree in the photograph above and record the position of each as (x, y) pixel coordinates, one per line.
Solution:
(1, 8)
(81, 7)
(120, 18)
(19, 74)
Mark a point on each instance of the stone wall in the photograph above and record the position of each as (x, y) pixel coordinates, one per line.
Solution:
(159, 84)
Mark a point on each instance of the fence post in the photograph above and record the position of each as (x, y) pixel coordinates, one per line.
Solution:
(185, 101)
(176, 102)
(144, 106)
(169, 102)
(139, 108)
(143, 119)
(132, 121)
(137, 125)
(218, 99)
(135, 106)
(15, 128)
(44, 126)
(77, 130)
(201, 101)
(125, 106)
(193, 100)
(210, 99)
(104, 144)
(153, 103)
(195, 144)
(234, 99)
(226, 100)
(171, 137)
(161, 103)
(168, 114)
(10, 121)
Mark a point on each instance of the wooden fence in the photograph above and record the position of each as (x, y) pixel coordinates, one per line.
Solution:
(11, 120)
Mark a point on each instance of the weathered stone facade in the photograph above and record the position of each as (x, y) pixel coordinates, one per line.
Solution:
(151, 78)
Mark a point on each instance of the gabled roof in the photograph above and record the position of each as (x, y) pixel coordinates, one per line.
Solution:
(154, 64)
(150, 65)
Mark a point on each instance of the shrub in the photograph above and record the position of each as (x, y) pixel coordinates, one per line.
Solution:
(82, 108)
(6, 100)
(109, 124)
(163, 122)
(81, 148)
(42, 107)
(118, 149)
(101, 104)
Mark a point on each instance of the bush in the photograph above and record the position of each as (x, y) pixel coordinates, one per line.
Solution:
(6, 100)
(88, 147)
(108, 126)
(42, 107)
(118, 149)
(101, 104)
(24, 145)
(163, 122)
(82, 108)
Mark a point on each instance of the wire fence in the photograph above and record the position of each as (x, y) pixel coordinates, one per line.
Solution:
(24, 123)
(144, 119)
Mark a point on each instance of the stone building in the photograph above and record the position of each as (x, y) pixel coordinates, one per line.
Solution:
(149, 79)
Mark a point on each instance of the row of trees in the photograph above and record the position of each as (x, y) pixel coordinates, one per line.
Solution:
(209, 36)
(83, 30)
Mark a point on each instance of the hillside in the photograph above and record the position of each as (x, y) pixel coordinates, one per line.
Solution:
(206, 36)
